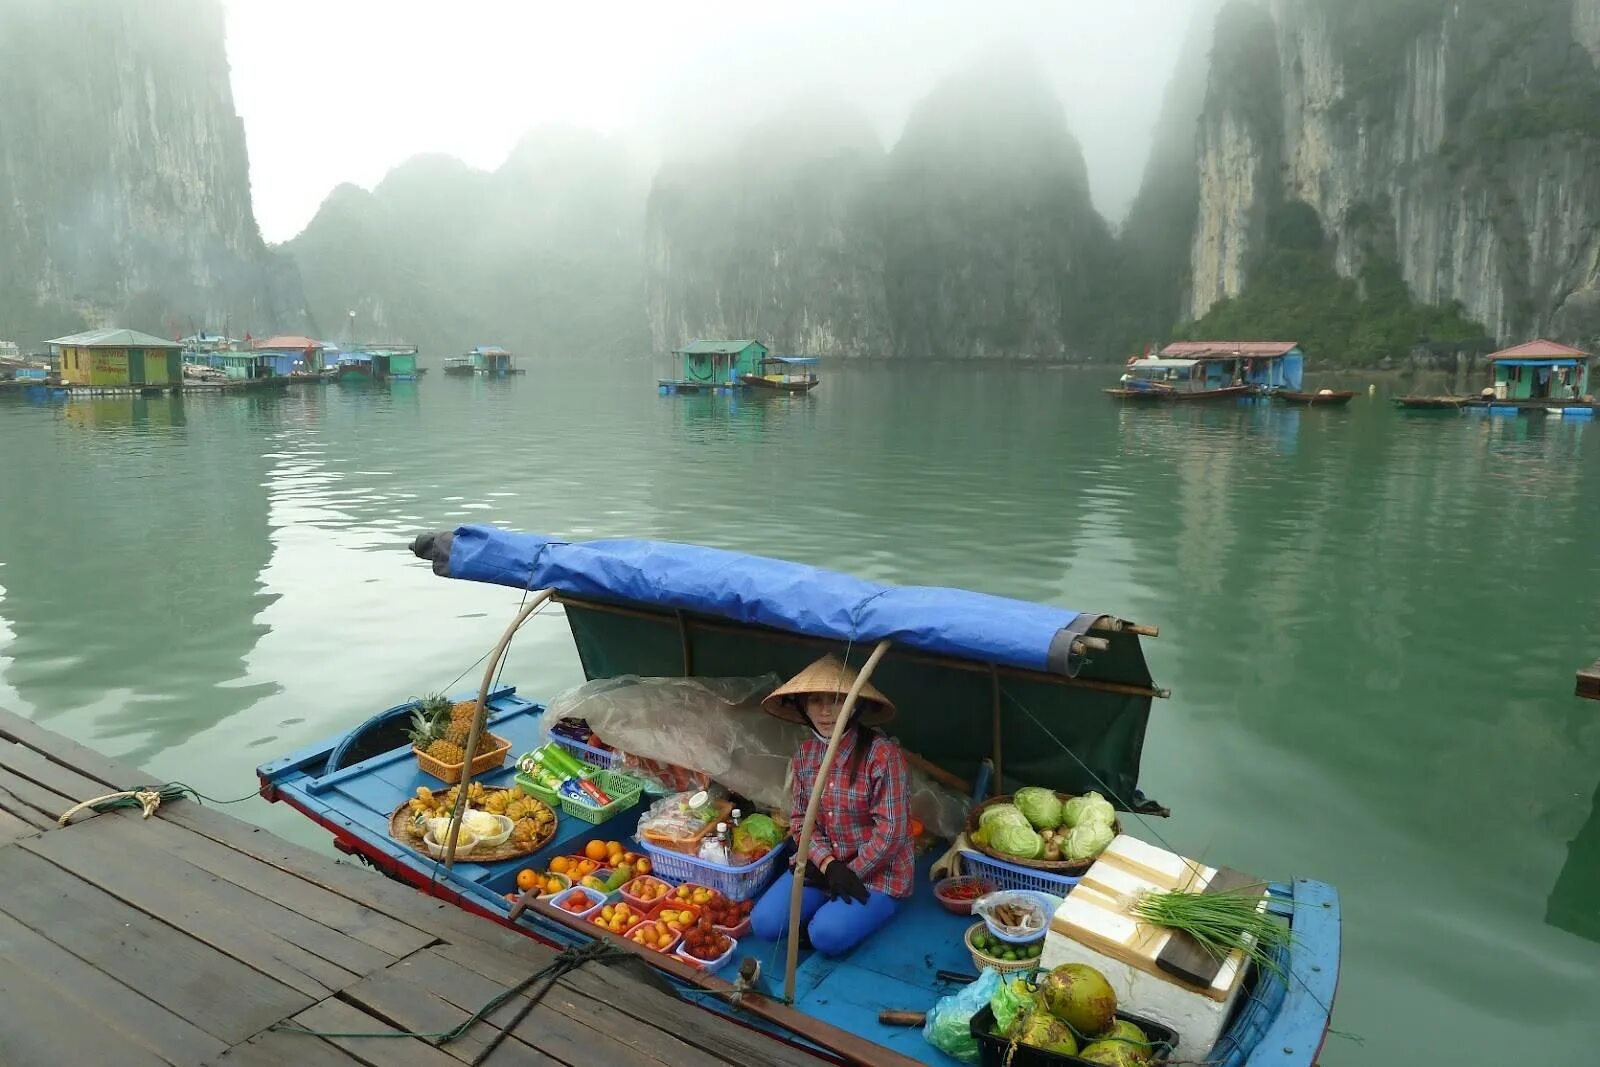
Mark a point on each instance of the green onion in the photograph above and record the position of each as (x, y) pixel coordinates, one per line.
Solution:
(1222, 923)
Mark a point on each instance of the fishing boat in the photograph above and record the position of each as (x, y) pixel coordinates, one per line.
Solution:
(1321, 398)
(458, 367)
(777, 374)
(1212, 370)
(992, 693)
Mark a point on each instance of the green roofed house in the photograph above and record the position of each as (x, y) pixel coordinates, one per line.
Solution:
(115, 358)
(714, 365)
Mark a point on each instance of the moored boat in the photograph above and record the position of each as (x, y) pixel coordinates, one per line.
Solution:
(978, 679)
(1212, 370)
(1432, 403)
(777, 374)
(1322, 397)
(458, 367)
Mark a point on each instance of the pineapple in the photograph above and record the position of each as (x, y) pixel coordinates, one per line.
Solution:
(422, 730)
(446, 751)
(463, 711)
(456, 732)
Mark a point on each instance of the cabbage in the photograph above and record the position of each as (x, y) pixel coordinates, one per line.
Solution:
(1088, 839)
(1085, 808)
(756, 831)
(1019, 841)
(1041, 806)
(998, 813)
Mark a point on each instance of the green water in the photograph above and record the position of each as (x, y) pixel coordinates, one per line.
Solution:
(1370, 622)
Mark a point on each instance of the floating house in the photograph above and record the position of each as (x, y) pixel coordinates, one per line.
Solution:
(1540, 370)
(491, 361)
(289, 355)
(118, 359)
(379, 363)
(714, 365)
(1213, 370)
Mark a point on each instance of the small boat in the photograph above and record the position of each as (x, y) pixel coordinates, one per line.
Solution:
(458, 367)
(1322, 397)
(1433, 403)
(645, 609)
(1170, 395)
(775, 373)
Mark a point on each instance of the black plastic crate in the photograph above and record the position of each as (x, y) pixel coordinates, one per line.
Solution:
(992, 1049)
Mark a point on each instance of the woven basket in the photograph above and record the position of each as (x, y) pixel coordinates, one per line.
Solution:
(401, 819)
(450, 773)
(1053, 866)
(980, 960)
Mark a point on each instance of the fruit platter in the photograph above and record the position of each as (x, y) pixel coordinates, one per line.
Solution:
(497, 824)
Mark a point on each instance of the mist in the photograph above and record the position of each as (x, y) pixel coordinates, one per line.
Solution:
(333, 93)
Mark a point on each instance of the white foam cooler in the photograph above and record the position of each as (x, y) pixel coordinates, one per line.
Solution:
(1092, 926)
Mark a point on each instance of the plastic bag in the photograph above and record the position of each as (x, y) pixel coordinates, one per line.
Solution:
(710, 726)
(940, 810)
(1011, 998)
(672, 822)
(948, 1026)
(1013, 913)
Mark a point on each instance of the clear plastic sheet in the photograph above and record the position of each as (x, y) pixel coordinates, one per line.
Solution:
(713, 726)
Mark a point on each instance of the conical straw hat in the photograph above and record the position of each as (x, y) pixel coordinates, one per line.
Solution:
(828, 675)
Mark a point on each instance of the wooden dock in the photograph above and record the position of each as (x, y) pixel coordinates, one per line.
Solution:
(1588, 684)
(195, 938)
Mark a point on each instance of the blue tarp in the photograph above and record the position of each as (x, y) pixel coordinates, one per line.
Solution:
(767, 592)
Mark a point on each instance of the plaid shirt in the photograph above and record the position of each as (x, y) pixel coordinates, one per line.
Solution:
(864, 820)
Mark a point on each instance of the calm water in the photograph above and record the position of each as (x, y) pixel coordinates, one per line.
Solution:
(1370, 622)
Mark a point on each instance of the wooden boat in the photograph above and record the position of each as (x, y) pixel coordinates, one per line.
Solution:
(775, 374)
(459, 367)
(636, 607)
(1433, 403)
(1166, 395)
(1326, 397)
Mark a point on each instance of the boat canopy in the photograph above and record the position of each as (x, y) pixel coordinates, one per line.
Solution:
(793, 361)
(1165, 364)
(964, 667)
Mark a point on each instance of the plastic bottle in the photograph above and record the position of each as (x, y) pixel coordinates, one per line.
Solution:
(736, 815)
(715, 849)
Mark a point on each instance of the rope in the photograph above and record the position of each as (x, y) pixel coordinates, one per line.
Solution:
(148, 798)
(566, 960)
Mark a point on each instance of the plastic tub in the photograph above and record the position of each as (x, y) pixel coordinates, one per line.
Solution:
(630, 892)
(1044, 900)
(651, 925)
(996, 1051)
(735, 931)
(707, 965)
(735, 883)
(692, 887)
(957, 906)
(655, 913)
(596, 900)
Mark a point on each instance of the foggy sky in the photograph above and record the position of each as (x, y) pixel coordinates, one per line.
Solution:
(342, 91)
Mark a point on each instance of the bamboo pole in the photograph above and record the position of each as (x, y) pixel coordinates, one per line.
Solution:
(481, 716)
(797, 884)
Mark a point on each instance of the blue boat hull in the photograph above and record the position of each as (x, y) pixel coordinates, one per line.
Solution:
(350, 784)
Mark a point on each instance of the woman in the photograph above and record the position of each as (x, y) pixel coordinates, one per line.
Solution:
(860, 865)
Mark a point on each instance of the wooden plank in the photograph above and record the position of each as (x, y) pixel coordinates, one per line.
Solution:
(14, 806)
(36, 767)
(393, 997)
(335, 1016)
(1588, 684)
(95, 998)
(376, 929)
(11, 828)
(1185, 958)
(277, 1049)
(86, 761)
(562, 1035)
(235, 924)
(38, 1029)
(18, 794)
(624, 994)
(219, 994)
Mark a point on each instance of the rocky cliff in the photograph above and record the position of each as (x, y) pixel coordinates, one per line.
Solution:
(542, 255)
(973, 237)
(124, 175)
(1457, 139)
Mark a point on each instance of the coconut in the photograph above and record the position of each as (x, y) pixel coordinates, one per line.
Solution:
(1080, 996)
(1040, 1029)
(1129, 1034)
(1112, 1054)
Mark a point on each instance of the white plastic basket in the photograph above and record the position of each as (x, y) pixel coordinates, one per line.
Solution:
(735, 883)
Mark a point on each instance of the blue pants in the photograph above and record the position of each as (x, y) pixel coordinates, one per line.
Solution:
(834, 926)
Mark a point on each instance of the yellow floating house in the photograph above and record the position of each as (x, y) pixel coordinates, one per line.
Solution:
(116, 358)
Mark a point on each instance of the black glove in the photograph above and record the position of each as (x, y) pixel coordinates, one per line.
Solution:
(844, 883)
(814, 876)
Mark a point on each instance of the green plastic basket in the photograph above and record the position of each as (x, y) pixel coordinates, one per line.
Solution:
(526, 783)
(623, 791)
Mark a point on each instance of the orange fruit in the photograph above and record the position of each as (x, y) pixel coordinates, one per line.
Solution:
(595, 850)
(613, 846)
(526, 879)
(560, 865)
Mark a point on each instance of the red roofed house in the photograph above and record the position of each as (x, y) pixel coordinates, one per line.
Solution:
(1540, 370)
(288, 353)
(1265, 364)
